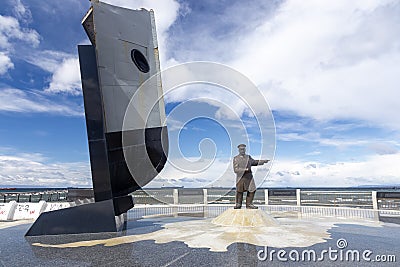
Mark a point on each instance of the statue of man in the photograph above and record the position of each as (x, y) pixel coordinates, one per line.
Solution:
(244, 177)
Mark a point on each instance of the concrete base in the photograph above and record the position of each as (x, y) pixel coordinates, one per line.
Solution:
(245, 218)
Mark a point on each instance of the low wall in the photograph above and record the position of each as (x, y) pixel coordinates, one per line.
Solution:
(21, 211)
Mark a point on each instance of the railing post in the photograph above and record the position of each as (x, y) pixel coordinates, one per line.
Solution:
(205, 202)
(175, 196)
(374, 200)
(205, 197)
(375, 205)
(176, 201)
(298, 198)
(266, 196)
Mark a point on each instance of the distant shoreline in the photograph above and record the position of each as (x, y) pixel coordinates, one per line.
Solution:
(9, 189)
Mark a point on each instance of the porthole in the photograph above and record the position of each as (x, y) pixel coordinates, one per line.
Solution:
(140, 61)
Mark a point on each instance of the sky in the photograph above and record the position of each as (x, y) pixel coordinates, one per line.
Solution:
(328, 72)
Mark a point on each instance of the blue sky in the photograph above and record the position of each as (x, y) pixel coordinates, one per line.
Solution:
(329, 71)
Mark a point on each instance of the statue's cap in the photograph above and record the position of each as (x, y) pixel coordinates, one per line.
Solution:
(241, 145)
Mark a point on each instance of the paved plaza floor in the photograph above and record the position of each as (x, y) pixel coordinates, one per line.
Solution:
(194, 241)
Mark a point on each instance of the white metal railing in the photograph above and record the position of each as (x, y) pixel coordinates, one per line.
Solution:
(213, 210)
(323, 198)
(337, 198)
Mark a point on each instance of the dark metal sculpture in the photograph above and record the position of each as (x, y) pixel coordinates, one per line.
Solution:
(244, 177)
(123, 55)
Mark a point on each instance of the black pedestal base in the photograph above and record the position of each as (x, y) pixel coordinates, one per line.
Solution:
(87, 218)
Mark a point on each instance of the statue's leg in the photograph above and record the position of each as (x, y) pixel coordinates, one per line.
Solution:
(239, 199)
(249, 200)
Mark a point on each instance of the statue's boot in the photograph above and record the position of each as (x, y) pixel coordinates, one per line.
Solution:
(239, 199)
(249, 200)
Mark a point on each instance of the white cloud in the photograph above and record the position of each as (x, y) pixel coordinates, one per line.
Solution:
(21, 11)
(5, 63)
(66, 78)
(384, 148)
(10, 29)
(315, 137)
(48, 60)
(64, 69)
(15, 100)
(380, 145)
(33, 170)
(374, 170)
(328, 60)
(175, 125)
(195, 172)
(324, 60)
